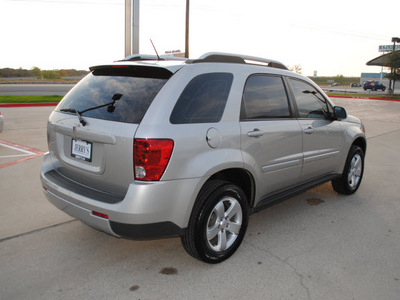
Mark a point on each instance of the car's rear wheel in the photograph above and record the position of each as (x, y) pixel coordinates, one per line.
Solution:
(218, 222)
(352, 174)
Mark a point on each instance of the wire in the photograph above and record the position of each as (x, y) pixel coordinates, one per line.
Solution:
(70, 2)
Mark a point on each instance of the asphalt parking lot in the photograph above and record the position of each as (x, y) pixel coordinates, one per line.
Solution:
(317, 245)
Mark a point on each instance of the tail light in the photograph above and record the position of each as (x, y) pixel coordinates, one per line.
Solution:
(151, 157)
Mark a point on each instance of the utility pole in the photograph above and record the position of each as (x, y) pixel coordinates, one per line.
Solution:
(131, 27)
(392, 70)
(187, 30)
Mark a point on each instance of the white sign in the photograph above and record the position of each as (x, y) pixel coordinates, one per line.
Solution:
(388, 48)
(81, 150)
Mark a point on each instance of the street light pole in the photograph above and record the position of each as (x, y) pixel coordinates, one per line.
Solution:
(394, 40)
(128, 27)
(131, 27)
(187, 30)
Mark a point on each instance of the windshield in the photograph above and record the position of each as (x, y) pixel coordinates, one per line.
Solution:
(135, 96)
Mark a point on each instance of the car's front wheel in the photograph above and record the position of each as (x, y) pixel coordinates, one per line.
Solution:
(352, 174)
(218, 222)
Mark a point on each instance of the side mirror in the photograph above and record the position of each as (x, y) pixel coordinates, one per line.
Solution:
(339, 112)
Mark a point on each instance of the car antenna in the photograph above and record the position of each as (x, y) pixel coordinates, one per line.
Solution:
(158, 56)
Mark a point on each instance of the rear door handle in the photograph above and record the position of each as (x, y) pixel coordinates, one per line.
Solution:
(255, 133)
(309, 130)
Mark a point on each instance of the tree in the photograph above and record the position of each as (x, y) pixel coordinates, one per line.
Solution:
(296, 68)
(339, 79)
(393, 61)
(63, 73)
(36, 72)
(51, 75)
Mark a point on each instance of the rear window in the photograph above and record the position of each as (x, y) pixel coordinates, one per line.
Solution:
(137, 87)
(203, 100)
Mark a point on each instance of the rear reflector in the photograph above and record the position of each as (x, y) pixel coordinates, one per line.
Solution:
(151, 157)
(97, 214)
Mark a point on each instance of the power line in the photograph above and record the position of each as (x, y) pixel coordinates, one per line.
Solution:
(70, 2)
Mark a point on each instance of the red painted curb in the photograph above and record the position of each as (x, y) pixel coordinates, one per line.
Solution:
(27, 104)
(364, 98)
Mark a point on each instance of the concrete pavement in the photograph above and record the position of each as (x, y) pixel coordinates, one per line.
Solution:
(317, 245)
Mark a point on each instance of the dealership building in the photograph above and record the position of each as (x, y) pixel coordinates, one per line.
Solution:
(381, 61)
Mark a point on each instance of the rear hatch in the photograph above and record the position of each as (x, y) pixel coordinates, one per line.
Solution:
(91, 132)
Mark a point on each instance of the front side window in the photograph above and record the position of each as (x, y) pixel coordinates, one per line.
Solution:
(203, 100)
(310, 103)
(264, 97)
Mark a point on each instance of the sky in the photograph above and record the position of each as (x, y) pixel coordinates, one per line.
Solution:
(327, 37)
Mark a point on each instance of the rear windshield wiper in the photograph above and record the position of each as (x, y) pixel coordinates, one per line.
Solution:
(78, 113)
(110, 108)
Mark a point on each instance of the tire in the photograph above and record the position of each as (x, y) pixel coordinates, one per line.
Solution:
(218, 222)
(352, 174)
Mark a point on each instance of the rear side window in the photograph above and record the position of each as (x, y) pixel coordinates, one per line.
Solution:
(203, 100)
(138, 90)
(264, 97)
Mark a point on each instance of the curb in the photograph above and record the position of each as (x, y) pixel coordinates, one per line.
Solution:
(365, 98)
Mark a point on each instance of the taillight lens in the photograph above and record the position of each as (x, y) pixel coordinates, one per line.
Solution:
(151, 157)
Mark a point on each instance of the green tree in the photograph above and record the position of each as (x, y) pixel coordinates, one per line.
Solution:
(51, 75)
(36, 72)
(339, 79)
(393, 61)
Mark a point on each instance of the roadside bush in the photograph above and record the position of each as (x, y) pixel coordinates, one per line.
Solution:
(51, 75)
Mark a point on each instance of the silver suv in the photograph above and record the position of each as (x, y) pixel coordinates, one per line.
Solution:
(151, 147)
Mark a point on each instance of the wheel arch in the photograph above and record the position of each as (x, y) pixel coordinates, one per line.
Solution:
(240, 177)
(362, 143)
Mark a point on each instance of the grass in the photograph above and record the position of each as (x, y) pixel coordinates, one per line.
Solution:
(30, 99)
(57, 98)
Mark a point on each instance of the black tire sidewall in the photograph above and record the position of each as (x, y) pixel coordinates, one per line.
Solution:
(354, 150)
(207, 254)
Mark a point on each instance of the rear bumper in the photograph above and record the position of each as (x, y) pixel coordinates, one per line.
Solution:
(133, 231)
(148, 210)
(80, 213)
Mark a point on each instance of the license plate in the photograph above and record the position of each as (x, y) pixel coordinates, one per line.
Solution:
(81, 150)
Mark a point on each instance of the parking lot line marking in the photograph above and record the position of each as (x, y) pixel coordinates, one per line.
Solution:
(19, 148)
(29, 153)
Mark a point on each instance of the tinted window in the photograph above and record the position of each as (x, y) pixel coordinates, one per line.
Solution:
(203, 99)
(310, 102)
(94, 90)
(264, 97)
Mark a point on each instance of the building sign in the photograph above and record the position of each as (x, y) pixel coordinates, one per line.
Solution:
(388, 48)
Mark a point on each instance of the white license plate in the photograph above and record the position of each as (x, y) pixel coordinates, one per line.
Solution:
(81, 150)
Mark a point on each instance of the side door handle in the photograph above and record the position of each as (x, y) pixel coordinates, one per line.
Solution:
(309, 130)
(255, 133)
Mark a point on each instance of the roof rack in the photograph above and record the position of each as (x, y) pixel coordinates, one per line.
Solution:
(238, 59)
(139, 57)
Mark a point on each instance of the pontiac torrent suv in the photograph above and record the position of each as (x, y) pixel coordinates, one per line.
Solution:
(151, 147)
